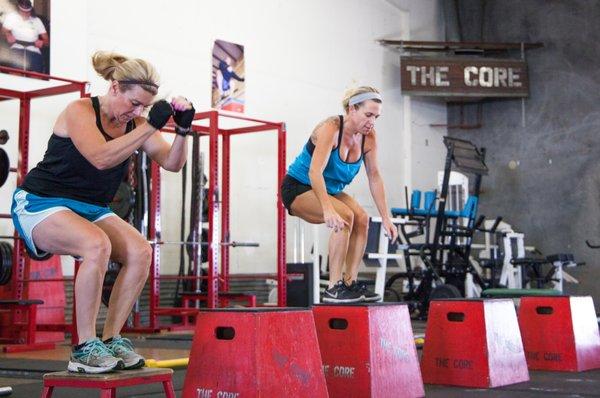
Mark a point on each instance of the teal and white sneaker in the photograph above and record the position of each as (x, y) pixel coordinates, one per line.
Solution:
(93, 357)
(121, 347)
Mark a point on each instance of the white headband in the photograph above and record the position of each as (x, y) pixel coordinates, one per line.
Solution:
(358, 98)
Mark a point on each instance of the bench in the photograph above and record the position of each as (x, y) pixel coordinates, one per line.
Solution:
(107, 383)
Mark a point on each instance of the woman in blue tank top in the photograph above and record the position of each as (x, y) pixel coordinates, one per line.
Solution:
(313, 189)
(62, 205)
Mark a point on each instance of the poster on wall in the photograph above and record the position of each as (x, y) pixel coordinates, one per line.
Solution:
(228, 87)
(24, 37)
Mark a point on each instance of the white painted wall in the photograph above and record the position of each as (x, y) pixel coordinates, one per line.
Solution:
(300, 58)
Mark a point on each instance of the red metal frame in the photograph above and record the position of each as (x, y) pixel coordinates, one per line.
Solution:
(30, 307)
(216, 281)
(25, 97)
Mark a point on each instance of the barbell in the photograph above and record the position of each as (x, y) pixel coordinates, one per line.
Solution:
(176, 242)
(204, 244)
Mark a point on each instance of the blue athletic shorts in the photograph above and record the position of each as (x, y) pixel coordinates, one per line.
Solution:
(28, 210)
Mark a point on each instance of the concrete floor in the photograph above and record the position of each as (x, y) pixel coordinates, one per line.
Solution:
(23, 372)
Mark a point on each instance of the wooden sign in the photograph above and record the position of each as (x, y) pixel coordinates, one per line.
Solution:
(464, 77)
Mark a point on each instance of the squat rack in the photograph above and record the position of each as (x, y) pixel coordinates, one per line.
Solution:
(65, 86)
(218, 205)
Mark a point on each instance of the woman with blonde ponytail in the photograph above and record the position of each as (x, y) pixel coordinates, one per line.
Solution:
(62, 205)
(313, 189)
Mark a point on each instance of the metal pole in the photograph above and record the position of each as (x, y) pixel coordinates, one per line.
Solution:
(198, 252)
(296, 240)
(316, 266)
(281, 236)
(523, 99)
(225, 202)
(213, 215)
(155, 235)
(301, 225)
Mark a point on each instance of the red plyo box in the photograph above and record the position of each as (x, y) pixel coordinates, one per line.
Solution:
(368, 350)
(473, 343)
(254, 353)
(560, 333)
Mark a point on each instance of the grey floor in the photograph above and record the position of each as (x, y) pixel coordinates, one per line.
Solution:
(24, 376)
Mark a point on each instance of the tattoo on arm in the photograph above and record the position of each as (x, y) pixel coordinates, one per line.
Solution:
(333, 120)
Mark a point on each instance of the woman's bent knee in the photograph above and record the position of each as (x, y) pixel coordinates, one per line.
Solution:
(140, 253)
(361, 221)
(97, 248)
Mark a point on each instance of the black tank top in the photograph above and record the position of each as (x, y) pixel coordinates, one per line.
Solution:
(65, 173)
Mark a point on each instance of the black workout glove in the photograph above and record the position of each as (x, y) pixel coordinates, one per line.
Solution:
(159, 114)
(183, 119)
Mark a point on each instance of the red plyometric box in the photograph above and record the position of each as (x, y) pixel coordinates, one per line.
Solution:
(560, 333)
(473, 343)
(51, 292)
(368, 350)
(255, 353)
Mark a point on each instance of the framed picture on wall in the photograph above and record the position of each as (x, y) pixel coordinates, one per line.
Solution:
(25, 37)
(228, 75)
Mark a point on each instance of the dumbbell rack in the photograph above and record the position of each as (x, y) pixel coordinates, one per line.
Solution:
(64, 86)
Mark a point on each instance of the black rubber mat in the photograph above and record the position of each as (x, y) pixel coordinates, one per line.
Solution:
(28, 368)
(541, 384)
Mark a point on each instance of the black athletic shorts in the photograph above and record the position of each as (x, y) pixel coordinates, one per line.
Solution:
(290, 188)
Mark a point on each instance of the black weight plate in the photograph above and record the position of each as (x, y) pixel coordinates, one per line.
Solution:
(122, 203)
(190, 248)
(445, 291)
(5, 262)
(4, 166)
(109, 280)
(2, 264)
(391, 295)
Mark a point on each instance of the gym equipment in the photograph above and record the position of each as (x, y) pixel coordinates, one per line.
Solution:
(368, 350)
(168, 363)
(108, 383)
(4, 137)
(560, 333)
(258, 352)
(299, 284)
(20, 287)
(380, 251)
(191, 247)
(518, 293)
(6, 257)
(122, 203)
(504, 250)
(26, 322)
(4, 166)
(448, 234)
(444, 291)
(218, 275)
(473, 343)
(109, 280)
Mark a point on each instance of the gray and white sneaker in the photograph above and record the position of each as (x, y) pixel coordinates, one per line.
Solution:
(122, 347)
(93, 357)
(339, 293)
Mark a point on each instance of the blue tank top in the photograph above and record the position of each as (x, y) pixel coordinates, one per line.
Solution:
(337, 173)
